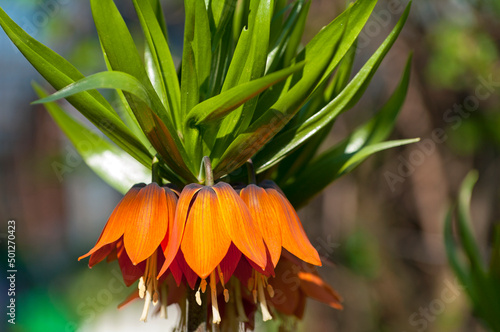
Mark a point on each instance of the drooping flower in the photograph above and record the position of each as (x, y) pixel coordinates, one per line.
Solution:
(287, 292)
(213, 231)
(139, 224)
(279, 223)
(296, 281)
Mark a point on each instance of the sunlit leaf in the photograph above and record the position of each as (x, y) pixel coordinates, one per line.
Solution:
(109, 162)
(327, 45)
(329, 166)
(297, 135)
(60, 73)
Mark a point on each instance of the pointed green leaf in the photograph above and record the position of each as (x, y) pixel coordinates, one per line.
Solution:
(109, 162)
(328, 44)
(104, 80)
(161, 68)
(289, 140)
(60, 73)
(251, 69)
(123, 56)
(329, 166)
(293, 42)
(464, 229)
(151, 124)
(452, 251)
(221, 105)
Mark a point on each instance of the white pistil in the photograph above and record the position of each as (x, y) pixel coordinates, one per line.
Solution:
(263, 304)
(148, 286)
(142, 288)
(215, 306)
(145, 310)
(198, 297)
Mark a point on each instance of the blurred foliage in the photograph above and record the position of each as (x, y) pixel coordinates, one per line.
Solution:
(461, 51)
(361, 254)
(481, 283)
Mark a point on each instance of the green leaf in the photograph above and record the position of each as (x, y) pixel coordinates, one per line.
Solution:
(468, 241)
(330, 43)
(292, 24)
(161, 68)
(197, 53)
(123, 56)
(495, 254)
(154, 128)
(452, 250)
(301, 156)
(289, 140)
(104, 80)
(117, 42)
(221, 105)
(109, 162)
(293, 42)
(329, 166)
(60, 73)
(250, 69)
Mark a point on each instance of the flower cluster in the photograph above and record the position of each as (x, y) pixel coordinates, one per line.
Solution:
(232, 247)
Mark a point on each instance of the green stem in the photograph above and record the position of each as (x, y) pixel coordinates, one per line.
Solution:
(155, 171)
(209, 174)
(252, 179)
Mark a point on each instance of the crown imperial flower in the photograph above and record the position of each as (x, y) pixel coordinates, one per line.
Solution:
(138, 226)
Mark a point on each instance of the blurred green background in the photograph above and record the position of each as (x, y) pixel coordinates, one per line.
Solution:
(381, 226)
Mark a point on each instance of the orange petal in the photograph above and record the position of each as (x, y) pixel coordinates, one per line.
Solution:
(172, 242)
(148, 224)
(205, 241)
(117, 222)
(244, 232)
(314, 287)
(264, 214)
(294, 238)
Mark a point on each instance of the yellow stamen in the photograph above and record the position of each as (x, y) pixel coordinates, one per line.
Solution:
(250, 283)
(221, 276)
(215, 307)
(203, 285)
(270, 290)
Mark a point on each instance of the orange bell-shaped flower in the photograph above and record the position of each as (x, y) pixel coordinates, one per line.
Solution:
(209, 221)
(134, 233)
(279, 223)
